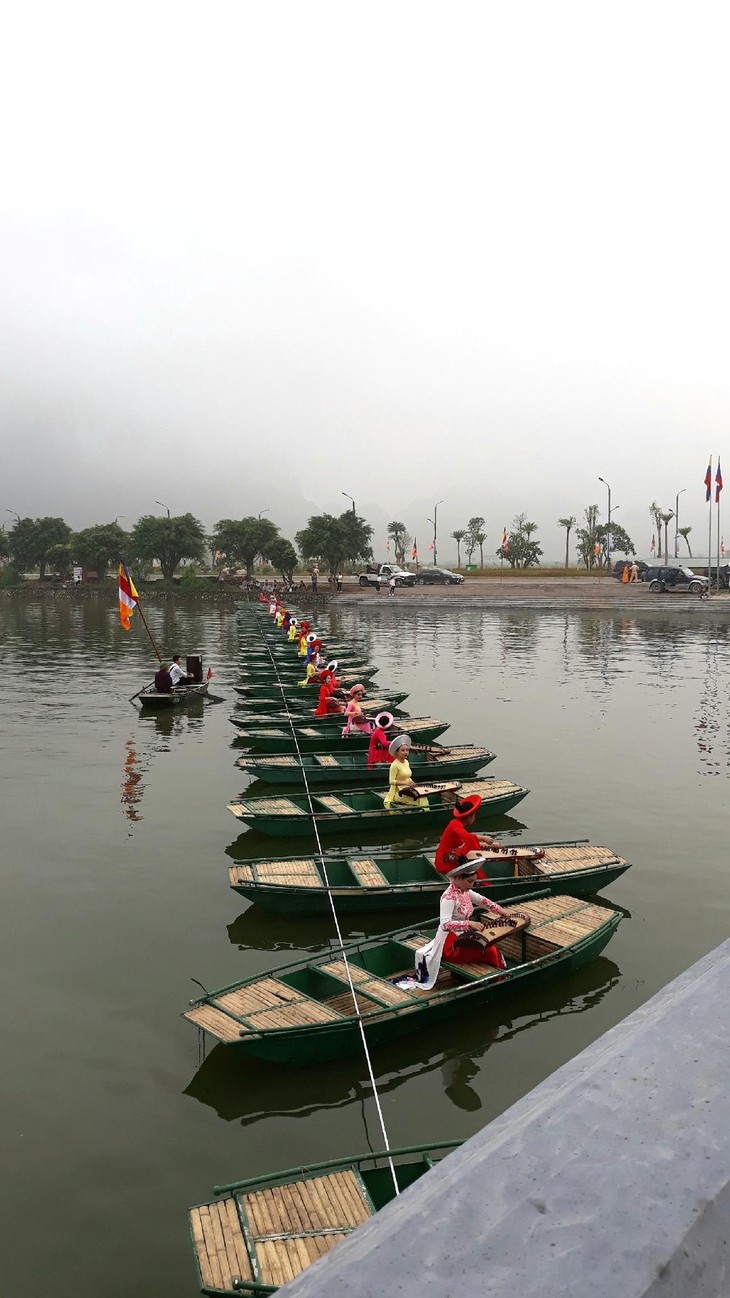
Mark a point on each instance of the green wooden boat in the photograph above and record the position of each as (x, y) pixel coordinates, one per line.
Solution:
(304, 701)
(303, 1013)
(292, 673)
(350, 811)
(270, 736)
(336, 767)
(291, 689)
(258, 1234)
(365, 884)
(272, 712)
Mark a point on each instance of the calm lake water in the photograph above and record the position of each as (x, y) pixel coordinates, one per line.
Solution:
(116, 843)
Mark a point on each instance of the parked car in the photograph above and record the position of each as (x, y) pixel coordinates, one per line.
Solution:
(617, 569)
(679, 578)
(430, 576)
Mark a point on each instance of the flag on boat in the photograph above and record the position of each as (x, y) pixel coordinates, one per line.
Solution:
(414, 551)
(128, 596)
(718, 482)
(652, 547)
(505, 542)
(708, 480)
(210, 673)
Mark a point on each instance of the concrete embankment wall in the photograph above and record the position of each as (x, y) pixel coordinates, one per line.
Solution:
(610, 1178)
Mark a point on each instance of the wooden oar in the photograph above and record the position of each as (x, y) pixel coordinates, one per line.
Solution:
(142, 691)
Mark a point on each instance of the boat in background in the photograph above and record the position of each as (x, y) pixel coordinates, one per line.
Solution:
(272, 735)
(365, 884)
(324, 769)
(352, 811)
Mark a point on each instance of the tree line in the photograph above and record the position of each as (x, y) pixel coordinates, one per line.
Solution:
(49, 544)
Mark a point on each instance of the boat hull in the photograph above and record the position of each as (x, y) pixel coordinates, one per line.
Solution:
(280, 740)
(290, 900)
(326, 776)
(388, 823)
(320, 1044)
(177, 698)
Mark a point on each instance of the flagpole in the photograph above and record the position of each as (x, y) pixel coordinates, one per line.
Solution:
(709, 544)
(717, 512)
(141, 613)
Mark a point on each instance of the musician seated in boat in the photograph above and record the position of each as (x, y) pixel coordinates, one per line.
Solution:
(177, 675)
(163, 681)
(331, 698)
(355, 717)
(402, 792)
(458, 843)
(379, 746)
(458, 936)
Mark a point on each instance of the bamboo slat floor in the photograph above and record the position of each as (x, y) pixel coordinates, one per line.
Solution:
(284, 1228)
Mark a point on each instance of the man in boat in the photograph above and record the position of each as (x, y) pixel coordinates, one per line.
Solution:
(378, 748)
(177, 675)
(457, 938)
(458, 844)
(401, 789)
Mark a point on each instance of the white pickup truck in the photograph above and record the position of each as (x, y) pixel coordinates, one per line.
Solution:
(383, 572)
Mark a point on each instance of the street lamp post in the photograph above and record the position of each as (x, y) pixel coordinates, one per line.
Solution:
(676, 523)
(264, 511)
(433, 521)
(16, 516)
(344, 493)
(608, 527)
(164, 506)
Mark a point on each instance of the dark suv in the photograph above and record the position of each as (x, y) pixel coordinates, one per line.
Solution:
(428, 576)
(681, 578)
(618, 568)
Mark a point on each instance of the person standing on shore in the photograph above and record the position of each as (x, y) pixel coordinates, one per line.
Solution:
(315, 579)
(391, 586)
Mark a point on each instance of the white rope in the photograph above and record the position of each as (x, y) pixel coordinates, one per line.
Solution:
(290, 718)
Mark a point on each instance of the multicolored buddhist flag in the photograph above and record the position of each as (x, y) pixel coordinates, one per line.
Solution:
(718, 482)
(128, 596)
(652, 547)
(722, 545)
(505, 542)
(414, 551)
(708, 480)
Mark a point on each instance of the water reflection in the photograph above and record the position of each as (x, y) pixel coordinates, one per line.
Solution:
(132, 785)
(249, 1090)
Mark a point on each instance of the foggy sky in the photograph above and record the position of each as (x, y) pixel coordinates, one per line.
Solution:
(254, 256)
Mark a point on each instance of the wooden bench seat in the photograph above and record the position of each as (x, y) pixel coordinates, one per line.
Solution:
(368, 874)
(331, 803)
(378, 989)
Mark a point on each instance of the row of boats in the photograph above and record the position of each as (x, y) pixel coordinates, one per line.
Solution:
(317, 788)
